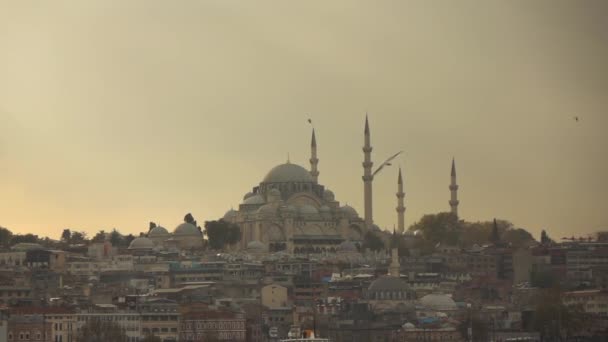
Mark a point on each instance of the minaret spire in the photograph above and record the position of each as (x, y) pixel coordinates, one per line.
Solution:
(367, 175)
(400, 205)
(314, 161)
(454, 190)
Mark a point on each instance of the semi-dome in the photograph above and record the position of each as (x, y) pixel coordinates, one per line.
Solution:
(141, 242)
(324, 209)
(255, 199)
(286, 173)
(247, 195)
(308, 210)
(438, 302)
(328, 195)
(388, 283)
(408, 326)
(256, 246)
(186, 229)
(230, 214)
(267, 209)
(158, 231)
(349, 211)
(347, 247)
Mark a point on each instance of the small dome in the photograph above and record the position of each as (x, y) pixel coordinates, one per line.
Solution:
(347, 247)
(308, 209)
(230, 214)
(186, 229)
(267, 209)
(256, 246)
(141, 242)
(408, 326)
(324, 209)
(274, 192)
(328, 195)
(438, 302)
(349, 211)
(255, 199)
(158, 231)
(286, 173)
(247, 195)
(388, 283)
(26, 246)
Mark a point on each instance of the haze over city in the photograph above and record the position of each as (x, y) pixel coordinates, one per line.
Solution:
(114, 114)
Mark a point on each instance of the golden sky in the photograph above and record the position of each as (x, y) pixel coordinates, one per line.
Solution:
(117, 113)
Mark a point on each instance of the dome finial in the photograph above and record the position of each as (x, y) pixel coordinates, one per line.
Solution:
(288, 160)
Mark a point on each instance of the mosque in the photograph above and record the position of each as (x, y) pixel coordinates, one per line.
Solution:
(289, 210)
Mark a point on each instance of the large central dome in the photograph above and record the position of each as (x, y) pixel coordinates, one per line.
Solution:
(286, 173)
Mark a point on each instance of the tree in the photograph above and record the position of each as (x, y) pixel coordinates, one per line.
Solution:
(115, 238)
(222, 233)
(480, 328)
(518, 238)
(545, 239)
(553, 319)
(99, 237)
(5, 236)
(78, 238)
(438, 228)
(543, 278)
(96, 330)
(27, 238)
(373, 242)
(127, 239)
(66, 235)
(495, 236)
(398, 241)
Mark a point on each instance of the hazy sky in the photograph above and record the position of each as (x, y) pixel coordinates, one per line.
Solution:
(117, 113)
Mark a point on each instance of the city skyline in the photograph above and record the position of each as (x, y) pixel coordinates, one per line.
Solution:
(108, 121)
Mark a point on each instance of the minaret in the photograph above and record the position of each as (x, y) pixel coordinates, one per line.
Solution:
(454, 191)
(400, 206)
(314, 161)
(367, 177)
(394, 267)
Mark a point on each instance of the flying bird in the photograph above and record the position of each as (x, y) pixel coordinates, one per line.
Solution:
(576, 118)
(310, 121)
(386, 163)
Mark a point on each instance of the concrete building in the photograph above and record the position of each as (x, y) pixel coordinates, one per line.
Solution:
(274, 296)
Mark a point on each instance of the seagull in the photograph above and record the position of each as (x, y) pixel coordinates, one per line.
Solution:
(386, 163)
(576, 118)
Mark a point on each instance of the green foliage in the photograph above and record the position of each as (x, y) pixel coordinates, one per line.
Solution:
(66, 235)
(151, 338)
(553, 319)
(543, 279)
(518, 238)
(545, 239)
(399, 242)
(99, 237)
(127, 239)
(78, 238)
(5, 236)
(27, 238)
(373, 242)
(115, 238)
(438, 228)
(445, 228)
(222, 233)
(97, 330)
(480, 328)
